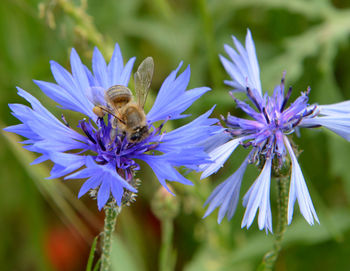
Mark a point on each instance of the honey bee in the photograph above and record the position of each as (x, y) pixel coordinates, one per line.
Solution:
(129, 115)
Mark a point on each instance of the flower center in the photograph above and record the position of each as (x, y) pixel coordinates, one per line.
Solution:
(112, 145)
(271, 119)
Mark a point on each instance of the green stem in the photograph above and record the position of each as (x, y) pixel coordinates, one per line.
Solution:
(111, 213)
(271, 256)
(166, 257)
(85, 26)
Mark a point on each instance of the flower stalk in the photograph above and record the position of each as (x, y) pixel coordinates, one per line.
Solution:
(166, 251)
(271, 256)
(111, 213)
(166, 207)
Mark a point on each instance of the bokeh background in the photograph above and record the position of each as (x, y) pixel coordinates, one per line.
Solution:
(43, 226)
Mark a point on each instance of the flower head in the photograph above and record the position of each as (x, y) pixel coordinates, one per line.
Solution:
(98, 149)
(272, 119)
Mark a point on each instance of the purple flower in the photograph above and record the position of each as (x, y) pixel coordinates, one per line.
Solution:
(90, 151)
(266, 133)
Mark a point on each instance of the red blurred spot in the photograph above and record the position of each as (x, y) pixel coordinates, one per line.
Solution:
(65, 249)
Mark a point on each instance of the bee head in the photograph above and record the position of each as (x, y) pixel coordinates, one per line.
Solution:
(138, 134)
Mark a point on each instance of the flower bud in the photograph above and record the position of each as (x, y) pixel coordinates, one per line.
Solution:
(164, 205)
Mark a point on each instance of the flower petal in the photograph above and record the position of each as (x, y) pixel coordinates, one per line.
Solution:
(103, 193)
(99, 68)
(115, 66)
(298, 190)
(339, 124)
(172, 98)
(244, 68)
(105, 175)
(91, 183)
(226, 194)
(163, 170)
(191, 133)
(219, 157)
(335, 109)
(258, 196)
(67, 92)
(40, 123)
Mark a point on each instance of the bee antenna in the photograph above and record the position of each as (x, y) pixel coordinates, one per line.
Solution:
(111, 113)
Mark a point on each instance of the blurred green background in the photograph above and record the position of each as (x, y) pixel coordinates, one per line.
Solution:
(42, 224)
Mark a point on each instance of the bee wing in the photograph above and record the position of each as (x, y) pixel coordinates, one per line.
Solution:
(143, 78)
(96, 95)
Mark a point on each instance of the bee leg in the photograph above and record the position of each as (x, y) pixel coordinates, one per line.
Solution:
(113, 135)
(114, 123)
(114, 130)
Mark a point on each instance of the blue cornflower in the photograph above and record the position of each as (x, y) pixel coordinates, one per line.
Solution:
(110, 162)
(266, 133)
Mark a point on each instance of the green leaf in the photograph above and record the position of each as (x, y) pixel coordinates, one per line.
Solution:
(92, 254)
(97, 265)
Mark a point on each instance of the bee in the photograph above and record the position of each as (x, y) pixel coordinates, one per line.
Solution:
(129, 115)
